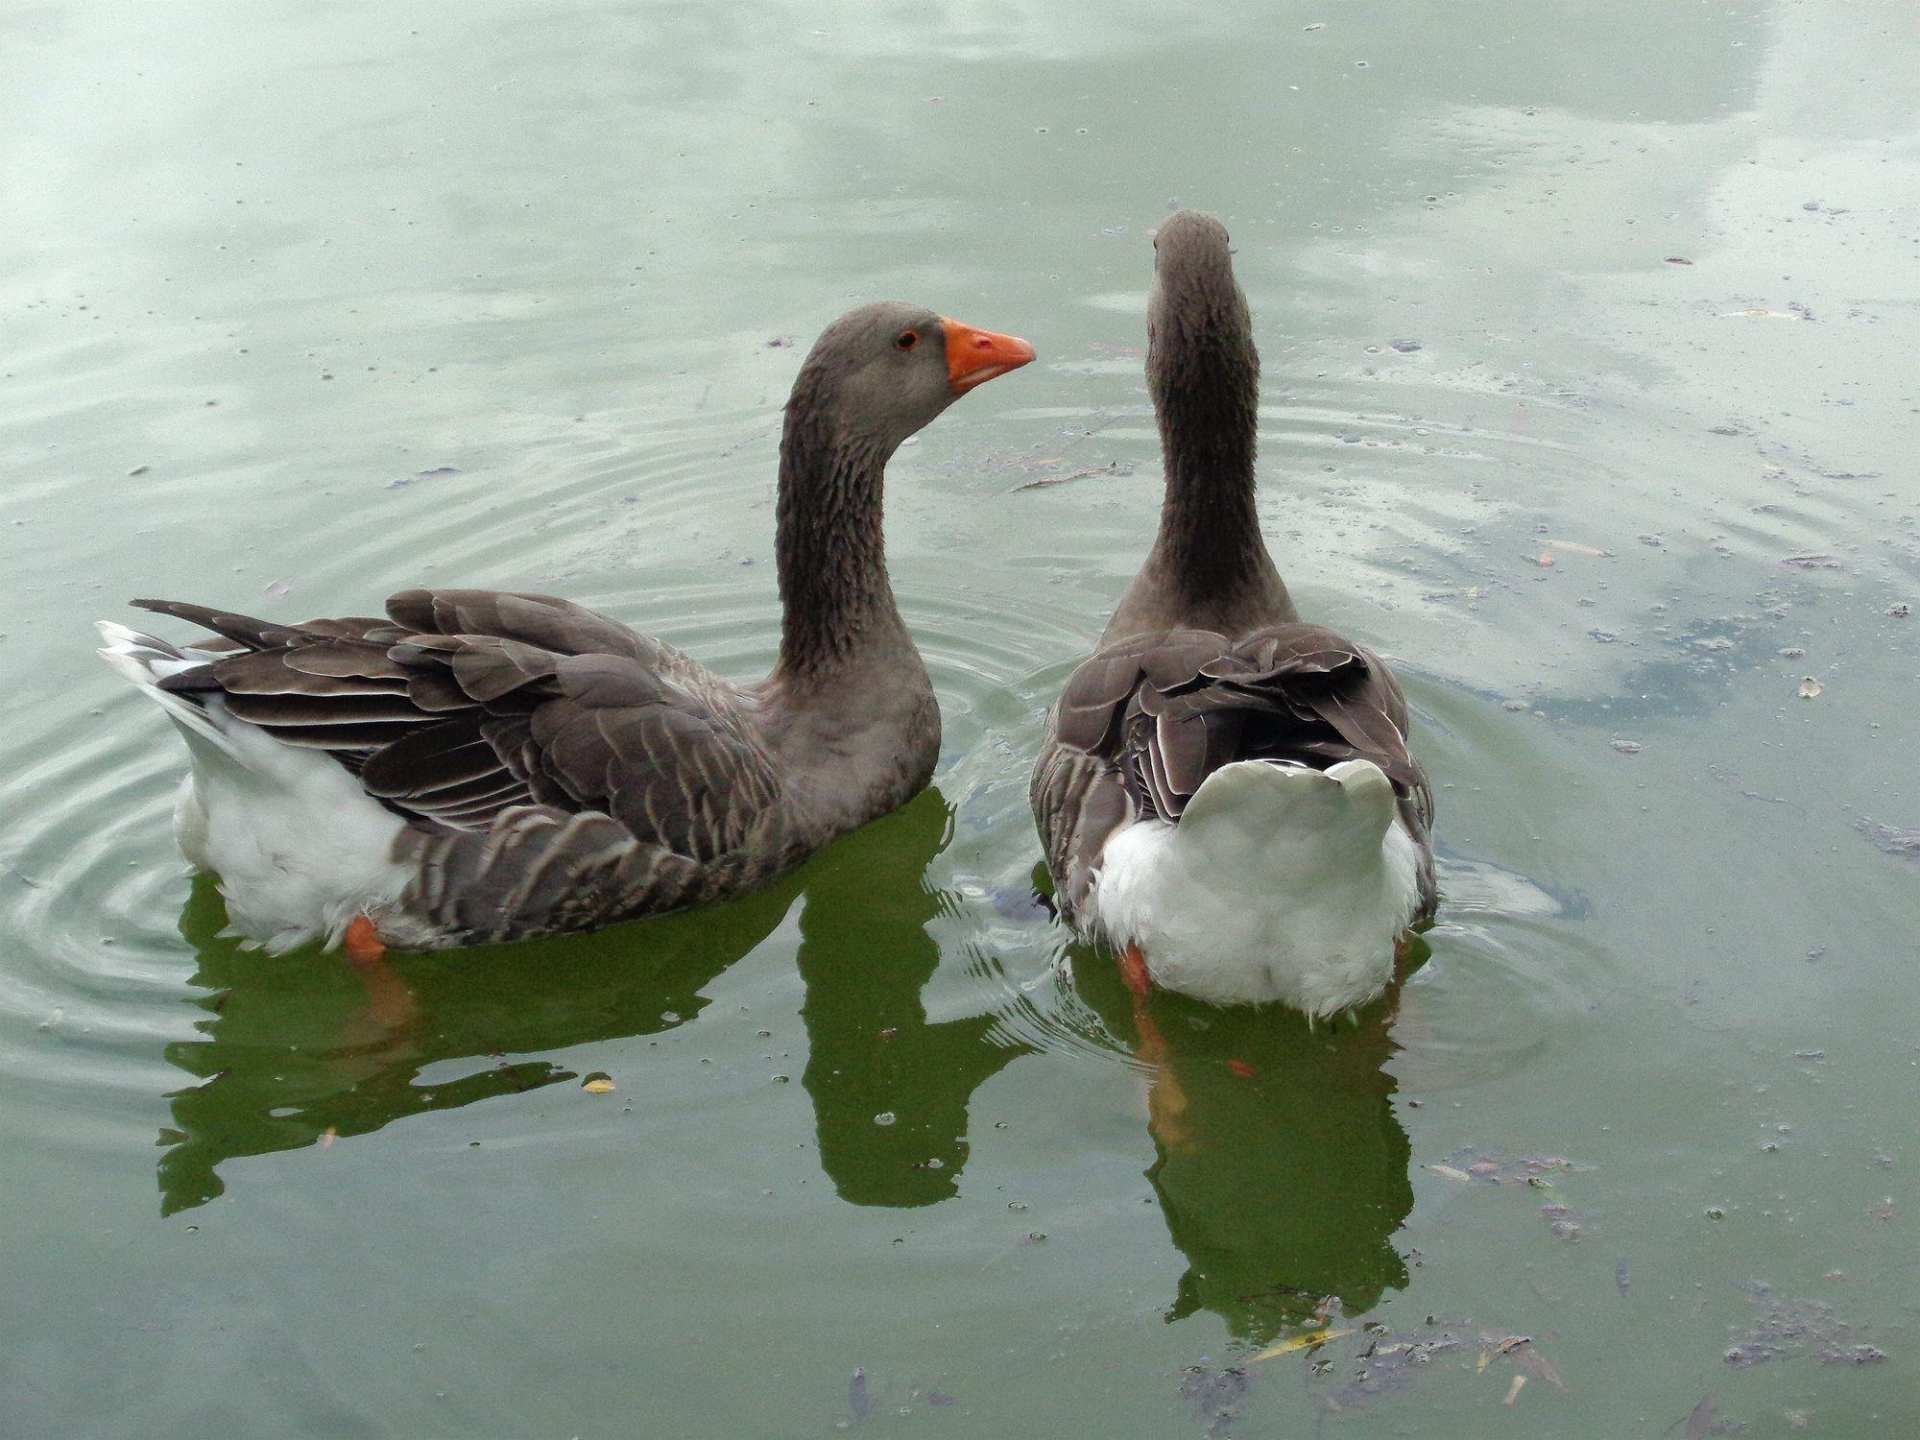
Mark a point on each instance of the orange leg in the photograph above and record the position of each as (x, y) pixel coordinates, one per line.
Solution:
(363, 945)
(1166, 1097)
(390, 1004)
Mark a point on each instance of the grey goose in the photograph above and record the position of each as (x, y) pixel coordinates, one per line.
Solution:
(1225, 792)
(481, 766)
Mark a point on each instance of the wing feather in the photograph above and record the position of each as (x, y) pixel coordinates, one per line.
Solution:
(463, 705)
(1141, 724)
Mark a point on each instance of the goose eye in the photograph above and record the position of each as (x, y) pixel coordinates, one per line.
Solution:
(906, 340)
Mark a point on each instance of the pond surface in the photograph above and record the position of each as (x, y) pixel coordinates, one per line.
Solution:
(1589, 395)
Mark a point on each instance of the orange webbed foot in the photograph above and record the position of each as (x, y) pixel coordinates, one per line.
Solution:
(1133, 970)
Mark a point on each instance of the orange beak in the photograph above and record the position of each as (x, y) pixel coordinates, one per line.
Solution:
(977, 356)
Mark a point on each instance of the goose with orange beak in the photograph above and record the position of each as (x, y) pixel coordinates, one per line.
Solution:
(481, 765)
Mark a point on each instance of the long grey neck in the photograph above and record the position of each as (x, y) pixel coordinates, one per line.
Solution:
(1206, 390)
(829, 547)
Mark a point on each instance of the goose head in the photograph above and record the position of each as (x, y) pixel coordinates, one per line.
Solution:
(1198, 327)
(884, 371)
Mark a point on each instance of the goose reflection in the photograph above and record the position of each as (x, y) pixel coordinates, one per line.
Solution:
(1281, 1168)
(297, 1051)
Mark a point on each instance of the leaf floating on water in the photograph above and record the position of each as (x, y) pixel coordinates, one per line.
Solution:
(1243, 1069)
(1810, 688)
(598, 1085)
(1306, 1340)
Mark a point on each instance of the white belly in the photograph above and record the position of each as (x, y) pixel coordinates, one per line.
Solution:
(1279, 883)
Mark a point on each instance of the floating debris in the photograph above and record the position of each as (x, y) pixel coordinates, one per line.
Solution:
(1388, 1364)
(1904, 843)
(1217, 1398)
(1626, 747)
(1678, 260)
(1115, 468)
(859, 1401)
(1306, 1340)
(598, 1085)
(1526, 1170)
(1812, 562)
(439, 472)
(1405, 347)
(1810, 688)
(1900, 611)
(1563, 1222)
(1786, 1327)
(1525, 1356)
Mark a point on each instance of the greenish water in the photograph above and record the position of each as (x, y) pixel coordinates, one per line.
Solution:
(302, 304)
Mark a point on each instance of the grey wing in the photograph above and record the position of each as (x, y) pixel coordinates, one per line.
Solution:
(1154, 715)
(1079, 801)
(1080, 791)
(464, 704)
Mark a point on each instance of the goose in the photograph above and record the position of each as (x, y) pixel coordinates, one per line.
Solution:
(1225, 793)
(483, 765)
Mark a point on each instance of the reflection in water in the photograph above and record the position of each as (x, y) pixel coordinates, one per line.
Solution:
(890, 1091)
(1281, 1168)
(303, 1048)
